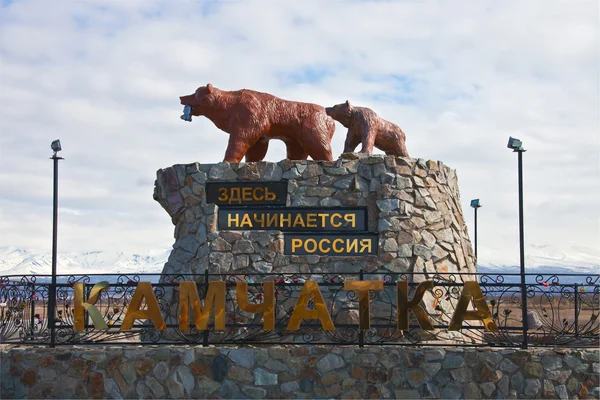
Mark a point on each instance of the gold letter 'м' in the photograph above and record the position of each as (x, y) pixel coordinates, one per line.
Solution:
(267, 306)
(152, 312)
(481, 312)
(188, 293)
(310, 289)
(80, 307)
(364, 309)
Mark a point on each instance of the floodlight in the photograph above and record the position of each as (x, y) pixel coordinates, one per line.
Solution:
(56, 146)
(475, 203)
(515, 144)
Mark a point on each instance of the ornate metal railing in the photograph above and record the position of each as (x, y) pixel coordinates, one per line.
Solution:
(562, 310)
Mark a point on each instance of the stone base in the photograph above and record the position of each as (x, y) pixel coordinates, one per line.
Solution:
(413, 205)
(296, 372)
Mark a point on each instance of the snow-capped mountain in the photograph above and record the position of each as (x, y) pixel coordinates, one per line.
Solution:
(575, 259)
(14, 261)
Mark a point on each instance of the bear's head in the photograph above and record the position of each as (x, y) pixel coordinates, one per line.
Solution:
(200, 100)
(341, 113)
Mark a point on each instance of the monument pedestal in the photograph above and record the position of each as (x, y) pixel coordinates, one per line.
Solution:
(411, 208)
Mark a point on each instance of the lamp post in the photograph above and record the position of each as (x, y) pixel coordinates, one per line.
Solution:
(517, 147)
(475, 204)
(56, 147)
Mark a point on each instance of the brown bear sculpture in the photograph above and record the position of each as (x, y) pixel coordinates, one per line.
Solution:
(366, 127)
(253, 118)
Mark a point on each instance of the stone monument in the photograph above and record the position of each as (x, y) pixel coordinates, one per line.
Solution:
(412, 205)
(407, 212)
(362, 217)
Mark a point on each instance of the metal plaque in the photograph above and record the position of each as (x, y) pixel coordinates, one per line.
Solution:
(246, 193)
(357, 244)
(293, 219)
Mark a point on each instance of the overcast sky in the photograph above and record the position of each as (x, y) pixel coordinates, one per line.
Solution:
(459, 77)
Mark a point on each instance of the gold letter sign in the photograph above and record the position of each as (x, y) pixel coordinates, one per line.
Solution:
(364, 309)
(481, 312)
(80, 307)
(188, 293)
(310, 289)
(267, 306)
(189, 302)
(404, 305)
(152, 311)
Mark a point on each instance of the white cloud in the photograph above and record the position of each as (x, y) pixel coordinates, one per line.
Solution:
(458, 77)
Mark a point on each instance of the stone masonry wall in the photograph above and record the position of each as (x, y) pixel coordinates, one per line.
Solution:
(297, 372)
(414, 205)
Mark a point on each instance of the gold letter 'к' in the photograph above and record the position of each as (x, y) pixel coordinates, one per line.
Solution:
(364, 309)
(481, 313)
(310, 289)
(80, 307)
(188, 293)
(152, 312)
(267, 306)
(404, 305)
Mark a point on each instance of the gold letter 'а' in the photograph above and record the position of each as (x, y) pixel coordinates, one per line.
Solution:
(267, 306)
(481, 312)
(152, 311)
(404, 305)
(364, 309)
(188, 293)
(80, 307)
(310, 289)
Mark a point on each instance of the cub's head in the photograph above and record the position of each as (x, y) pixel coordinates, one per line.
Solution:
(341, 113)
(203, 97)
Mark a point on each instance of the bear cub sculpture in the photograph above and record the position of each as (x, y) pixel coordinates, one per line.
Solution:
(366, 127)
(253, 118)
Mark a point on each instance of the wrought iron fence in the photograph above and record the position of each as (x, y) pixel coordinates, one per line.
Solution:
(561, 310)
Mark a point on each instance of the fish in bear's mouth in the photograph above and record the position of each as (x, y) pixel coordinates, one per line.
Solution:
(187, 113)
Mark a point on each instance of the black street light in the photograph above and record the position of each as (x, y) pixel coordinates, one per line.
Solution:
(56, 147)
(475, 204)
(517, 147)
